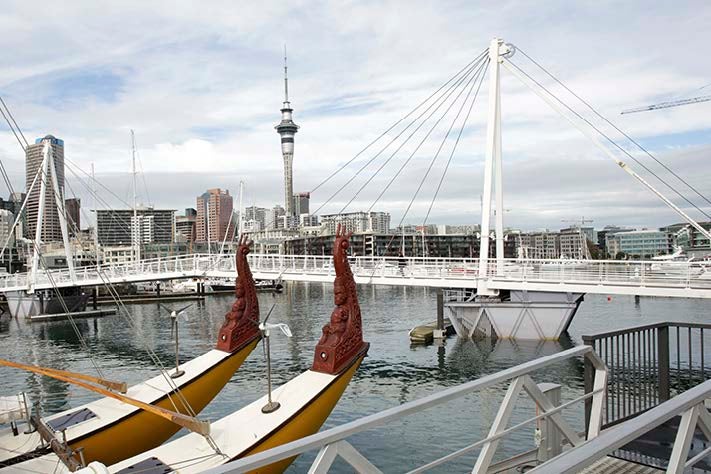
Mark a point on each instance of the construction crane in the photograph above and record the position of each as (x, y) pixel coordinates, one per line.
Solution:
(668, 104)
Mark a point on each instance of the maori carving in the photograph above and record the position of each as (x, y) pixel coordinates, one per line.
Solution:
(342, 338)
(241, 324)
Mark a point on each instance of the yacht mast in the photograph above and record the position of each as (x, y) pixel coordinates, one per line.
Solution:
(134, 225)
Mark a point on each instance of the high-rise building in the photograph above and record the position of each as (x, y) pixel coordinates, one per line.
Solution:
(34, 154)
(72, 207)
(185, 225)
(214, 209)
(6, 221)
(301, 203)
(287, 129)
(118, 226)
(255, 218)
(276, 220)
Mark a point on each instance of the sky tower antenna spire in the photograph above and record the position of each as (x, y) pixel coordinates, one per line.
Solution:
(286, 79)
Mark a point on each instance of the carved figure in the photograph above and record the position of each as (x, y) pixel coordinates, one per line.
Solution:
(242, 321)
(342, 338)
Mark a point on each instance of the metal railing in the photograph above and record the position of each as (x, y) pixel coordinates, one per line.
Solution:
(333, 442)
(690, 405)
(685, 279)
(648, 364)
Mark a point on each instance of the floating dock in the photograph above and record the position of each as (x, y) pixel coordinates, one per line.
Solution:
(425, 334)
(94, 313)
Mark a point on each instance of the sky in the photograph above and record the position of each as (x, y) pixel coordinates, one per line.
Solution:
(201, 84)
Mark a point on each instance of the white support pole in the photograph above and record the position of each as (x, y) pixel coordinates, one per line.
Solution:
(596, 141)
(40, 215)
(499, 184)
(59, 204)
(19, 214)
(488, 164)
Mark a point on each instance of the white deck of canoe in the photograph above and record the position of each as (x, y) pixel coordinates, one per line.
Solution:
(107, 411)
(238, 431)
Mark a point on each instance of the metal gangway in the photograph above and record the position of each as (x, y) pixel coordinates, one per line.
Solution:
(625, 277)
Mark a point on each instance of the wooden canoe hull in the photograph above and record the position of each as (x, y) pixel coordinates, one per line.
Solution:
(142, 431)
(306, 422)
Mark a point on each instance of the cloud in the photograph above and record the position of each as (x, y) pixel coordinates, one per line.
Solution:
(202, 87)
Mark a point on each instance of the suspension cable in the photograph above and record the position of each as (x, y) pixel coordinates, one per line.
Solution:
(442, 97)
(611, 141)
(454, 149)
(643, 149)
(341, 168)
(473, 81)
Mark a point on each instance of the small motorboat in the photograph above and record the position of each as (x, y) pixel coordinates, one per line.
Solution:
(122, 425)
(294, 410)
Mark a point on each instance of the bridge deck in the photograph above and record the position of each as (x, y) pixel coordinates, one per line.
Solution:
(645, 278)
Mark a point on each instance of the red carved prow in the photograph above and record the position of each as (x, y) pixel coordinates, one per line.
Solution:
(342, 339)
(241, 324)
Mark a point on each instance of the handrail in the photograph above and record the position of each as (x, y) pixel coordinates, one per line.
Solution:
(576, 459)
(628, 330)
(340, 433)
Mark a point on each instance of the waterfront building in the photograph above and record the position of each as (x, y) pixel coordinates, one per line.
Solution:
(51, 230)
(286, 130)
(537, 245)
(644, 244)
(301, 203)
(390, 245)
(691, 241)
(72, 207)
(117, 227)
(185, 226)
(357, 222)
(214, 209)
(446, 229)
(574, 243)
(252, 225)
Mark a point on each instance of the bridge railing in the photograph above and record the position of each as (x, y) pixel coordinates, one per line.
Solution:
(334, 442)
(648, 365)
(619, 272)
(511, 271)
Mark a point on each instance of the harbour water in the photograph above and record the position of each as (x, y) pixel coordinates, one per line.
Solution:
(393, 373)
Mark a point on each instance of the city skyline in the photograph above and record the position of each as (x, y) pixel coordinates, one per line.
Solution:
(345, 97)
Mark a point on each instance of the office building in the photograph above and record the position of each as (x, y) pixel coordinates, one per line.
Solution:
(357, 222)
(301, 203)
(213, 221)
(72, 207)
(34, 154)
(644, 244)
(119, 228)
(185, 226)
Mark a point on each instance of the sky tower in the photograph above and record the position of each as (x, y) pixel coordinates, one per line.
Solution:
(287, 129)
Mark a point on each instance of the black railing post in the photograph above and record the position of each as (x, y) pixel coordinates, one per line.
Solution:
(663, 362)
(588, 377)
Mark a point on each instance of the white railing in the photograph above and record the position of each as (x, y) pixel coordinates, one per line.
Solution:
(690, 405)
(598, 276)
(333, 442)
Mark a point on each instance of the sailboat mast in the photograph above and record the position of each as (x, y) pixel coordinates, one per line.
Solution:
(241, 214)
(96, 217)
(134, 227)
